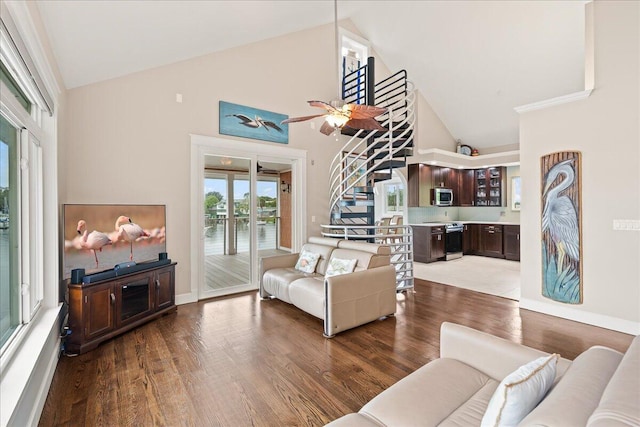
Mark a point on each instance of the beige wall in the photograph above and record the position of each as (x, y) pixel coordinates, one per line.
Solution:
(605, 128)
(127, 139)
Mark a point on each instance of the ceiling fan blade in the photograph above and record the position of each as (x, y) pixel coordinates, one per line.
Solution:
(301, 119)
(366, 124)
(322, 104)
(365, 111)
(326, 128)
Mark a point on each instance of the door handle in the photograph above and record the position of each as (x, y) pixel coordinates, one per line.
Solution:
(113, 298)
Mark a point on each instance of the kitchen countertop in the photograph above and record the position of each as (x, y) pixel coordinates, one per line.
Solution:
(439, 224)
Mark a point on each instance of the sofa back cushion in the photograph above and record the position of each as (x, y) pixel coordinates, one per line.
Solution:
(620, 403)
(369, 255)
(323, 247)
(578, 392)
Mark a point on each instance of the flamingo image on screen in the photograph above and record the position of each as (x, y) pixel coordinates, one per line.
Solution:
(121, 233)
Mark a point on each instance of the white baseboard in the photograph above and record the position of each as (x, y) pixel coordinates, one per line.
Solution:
(186, 298)
(595, 319)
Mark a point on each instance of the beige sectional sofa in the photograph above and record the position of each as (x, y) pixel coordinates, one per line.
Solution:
(344, 301)
(601, 387)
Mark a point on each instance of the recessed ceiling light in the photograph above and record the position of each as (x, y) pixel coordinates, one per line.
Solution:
(433, 162)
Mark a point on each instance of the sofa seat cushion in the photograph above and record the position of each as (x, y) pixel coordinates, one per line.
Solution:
(277, 281)
(307, 294)
(443, 391)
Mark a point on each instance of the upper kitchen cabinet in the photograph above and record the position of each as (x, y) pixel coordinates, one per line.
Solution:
(419, 183)
(466, 184)
(445, 178)
(490, 186)
(422, 178)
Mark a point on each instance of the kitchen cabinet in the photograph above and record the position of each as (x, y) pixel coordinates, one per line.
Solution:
(419, 183)
(436, 248)
(466, 188)
(421, 242)
(511, 242)
(470, 239)
(445, 178)
(490, 241)
(490, 185)
(101, 310)
(428, 243)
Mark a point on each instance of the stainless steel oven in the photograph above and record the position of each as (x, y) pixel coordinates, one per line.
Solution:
(453, 240)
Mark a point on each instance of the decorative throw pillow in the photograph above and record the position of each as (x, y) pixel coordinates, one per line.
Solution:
(520, 392)
(339, 266)
(307, 262)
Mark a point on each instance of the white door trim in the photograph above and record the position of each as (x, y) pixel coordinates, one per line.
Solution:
(207, 145)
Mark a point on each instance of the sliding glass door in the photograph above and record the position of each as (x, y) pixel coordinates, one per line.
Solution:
(237, 222)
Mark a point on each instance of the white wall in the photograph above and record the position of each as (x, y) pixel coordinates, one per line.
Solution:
(127, 139)
(605, 128)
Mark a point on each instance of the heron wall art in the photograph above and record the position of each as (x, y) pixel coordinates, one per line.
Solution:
(561, 227)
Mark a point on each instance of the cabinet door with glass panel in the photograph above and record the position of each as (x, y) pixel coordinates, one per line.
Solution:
(489, 185)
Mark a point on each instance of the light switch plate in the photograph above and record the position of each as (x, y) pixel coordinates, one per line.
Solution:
(626, 224)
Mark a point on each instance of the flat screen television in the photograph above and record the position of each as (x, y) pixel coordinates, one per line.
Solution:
(98, 237)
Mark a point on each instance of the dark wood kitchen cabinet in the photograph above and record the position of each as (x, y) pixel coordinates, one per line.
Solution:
(512, 242)
(419, 183)
(470, 239)
(490, 241)
(436, 248)
(445, 178)
(465, 195)
(421, 242)
(428, 243)
(101, 310)
(490, 186)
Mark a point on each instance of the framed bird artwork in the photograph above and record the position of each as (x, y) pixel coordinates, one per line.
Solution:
(253, 123)
(561, 227)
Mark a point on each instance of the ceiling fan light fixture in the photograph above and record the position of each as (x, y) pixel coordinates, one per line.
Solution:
(337, 120)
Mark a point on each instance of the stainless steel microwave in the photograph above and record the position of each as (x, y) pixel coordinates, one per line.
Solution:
(442, 197)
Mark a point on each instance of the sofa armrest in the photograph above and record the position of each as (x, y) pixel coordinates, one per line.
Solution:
(360, 297)
(276, 261)
(487, 353)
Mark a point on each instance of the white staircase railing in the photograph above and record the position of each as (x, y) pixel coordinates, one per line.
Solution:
(347, 170)
(399, 238)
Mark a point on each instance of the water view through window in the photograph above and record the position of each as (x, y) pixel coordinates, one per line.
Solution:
(216, 214)
(9, 281)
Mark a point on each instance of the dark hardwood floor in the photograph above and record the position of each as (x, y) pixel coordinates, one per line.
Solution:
(239, 361)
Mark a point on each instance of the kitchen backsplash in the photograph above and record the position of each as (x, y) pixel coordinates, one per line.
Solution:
(437, 214)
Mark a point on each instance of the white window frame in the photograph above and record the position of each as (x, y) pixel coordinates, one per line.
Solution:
(385, 187)
(351, 41)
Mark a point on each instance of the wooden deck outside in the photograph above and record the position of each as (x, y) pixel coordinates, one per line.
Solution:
(223, 271)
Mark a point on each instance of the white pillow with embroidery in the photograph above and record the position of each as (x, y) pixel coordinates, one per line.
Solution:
(307, 262)
(520, 392)
(339, 266)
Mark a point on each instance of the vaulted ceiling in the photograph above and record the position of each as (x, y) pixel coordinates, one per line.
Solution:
(473, 61)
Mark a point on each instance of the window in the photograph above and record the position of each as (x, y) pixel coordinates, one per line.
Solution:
(394, 197)
(9, 236)
(21, 207)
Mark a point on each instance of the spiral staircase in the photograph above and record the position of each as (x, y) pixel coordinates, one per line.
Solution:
(369, 157)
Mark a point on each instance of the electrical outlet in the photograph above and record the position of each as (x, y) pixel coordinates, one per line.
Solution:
(503, 213)
(445, 213)
(179, 98)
